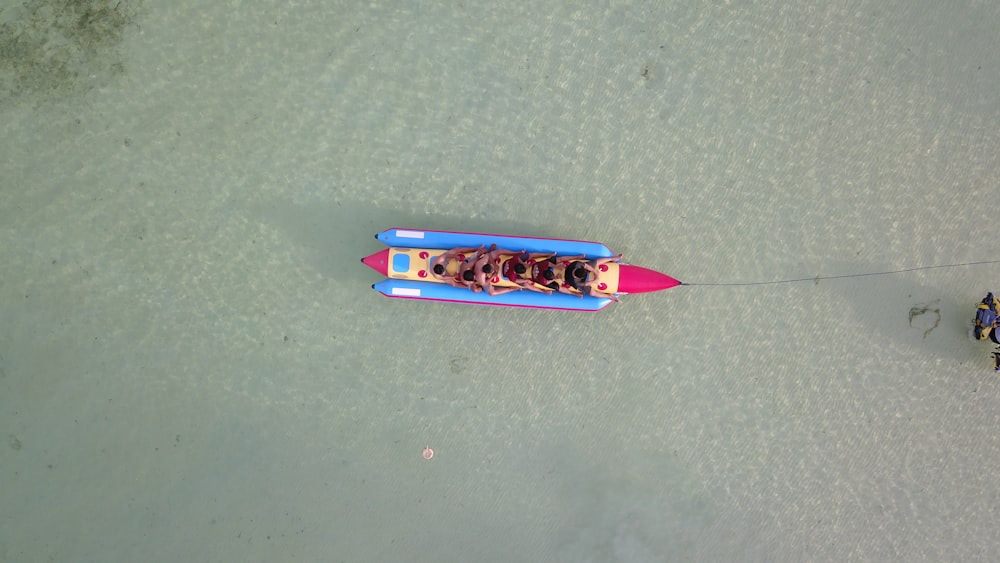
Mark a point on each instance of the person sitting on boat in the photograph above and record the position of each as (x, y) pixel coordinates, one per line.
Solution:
(528, 270)
(581, 276)
(987, 318)
(487, 268)
(558, 267)
(476, 271)
(468, 256)
(466, 274)
(544, 275)
(473, 272)
(465, 277)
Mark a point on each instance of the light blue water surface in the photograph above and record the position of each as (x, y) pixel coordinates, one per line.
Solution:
(193, 365)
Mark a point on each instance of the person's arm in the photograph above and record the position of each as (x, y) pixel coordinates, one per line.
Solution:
(600, 261)
(565, 260)
(494, 291)
(537, 256)
(563, 288)
(535, 287)
(498, 252)
(454, 253)
(592, 291)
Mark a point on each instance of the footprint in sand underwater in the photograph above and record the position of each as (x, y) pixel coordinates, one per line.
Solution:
(927, 317)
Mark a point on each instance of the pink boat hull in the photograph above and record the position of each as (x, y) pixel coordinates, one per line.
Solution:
(378, 261)
(635, 279)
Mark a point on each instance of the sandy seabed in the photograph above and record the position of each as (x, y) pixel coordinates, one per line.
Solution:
(193, 365)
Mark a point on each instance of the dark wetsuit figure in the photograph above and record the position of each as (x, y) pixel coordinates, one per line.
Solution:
(544, 275)
(576, 275)
(525, 271)
(515, 267)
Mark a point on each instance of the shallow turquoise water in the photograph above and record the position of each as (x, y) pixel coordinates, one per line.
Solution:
(194, 367)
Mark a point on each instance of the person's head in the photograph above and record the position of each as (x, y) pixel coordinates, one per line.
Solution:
(487, 268)
(520, 269)
(439, 269)
(469, 275)
(580, 273)
(549, 274)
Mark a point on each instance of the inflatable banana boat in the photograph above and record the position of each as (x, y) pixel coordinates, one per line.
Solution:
(519, 271)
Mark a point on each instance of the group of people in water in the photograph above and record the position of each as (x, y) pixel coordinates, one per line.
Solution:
(480, 269)
(986, 324)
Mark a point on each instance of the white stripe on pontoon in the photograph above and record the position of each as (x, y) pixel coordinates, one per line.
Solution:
(406, 292)
(409, 234)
